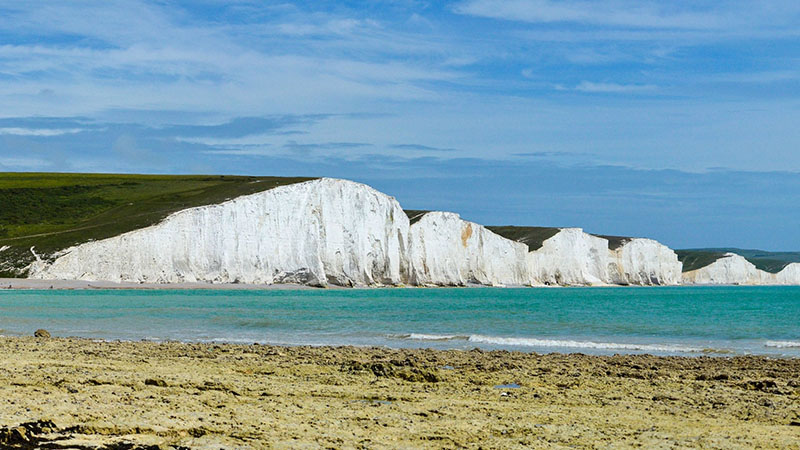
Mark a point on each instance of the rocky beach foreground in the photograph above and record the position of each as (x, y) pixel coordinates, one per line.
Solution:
(78, 393)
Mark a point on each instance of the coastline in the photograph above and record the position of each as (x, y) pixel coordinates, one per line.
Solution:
(36, 284)
(256, 396)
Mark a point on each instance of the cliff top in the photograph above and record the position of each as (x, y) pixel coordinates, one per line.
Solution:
(54, 211)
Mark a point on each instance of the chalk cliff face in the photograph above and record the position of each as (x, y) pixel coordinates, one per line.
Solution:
(571, 257)
(446, 250)
(644, 262)
(730, 269)
(789, 275)
(343, 233)
(318, 232)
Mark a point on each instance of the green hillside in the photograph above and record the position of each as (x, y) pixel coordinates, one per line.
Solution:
(614, 242)
(53, 211)
(533, 237)
(415, 214)
(772, 262)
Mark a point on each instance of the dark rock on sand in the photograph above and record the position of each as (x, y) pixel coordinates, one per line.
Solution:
(25, 435)
(155, 382)
(41, 333)
(404, 370)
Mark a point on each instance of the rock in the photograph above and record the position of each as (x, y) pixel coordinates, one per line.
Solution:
(19, 435)
(25, 435)
(155, 382)
(41, 333)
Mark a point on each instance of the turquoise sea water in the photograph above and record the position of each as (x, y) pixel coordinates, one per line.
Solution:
(662, 320)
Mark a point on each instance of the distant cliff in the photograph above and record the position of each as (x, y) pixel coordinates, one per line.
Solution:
(736, 269)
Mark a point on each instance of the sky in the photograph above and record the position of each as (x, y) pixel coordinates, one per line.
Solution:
(675, 120)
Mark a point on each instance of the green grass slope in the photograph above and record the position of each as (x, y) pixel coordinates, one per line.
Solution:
(772, 262)
(533, 237)
(415, 214)
(53, 211)
(614, 242)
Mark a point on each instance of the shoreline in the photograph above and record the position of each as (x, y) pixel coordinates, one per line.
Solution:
(257, 396)
(76, 285)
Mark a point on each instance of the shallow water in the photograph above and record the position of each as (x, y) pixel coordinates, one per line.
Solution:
(662, 320)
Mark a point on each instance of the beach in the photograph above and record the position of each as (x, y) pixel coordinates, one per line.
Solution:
(96, 394)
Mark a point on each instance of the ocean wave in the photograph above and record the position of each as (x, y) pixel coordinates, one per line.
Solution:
(558, 343)
(782, 344)
(432, 337)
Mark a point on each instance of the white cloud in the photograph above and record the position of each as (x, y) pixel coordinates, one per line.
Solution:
(588, 86)
(448, 83)
(39, 131)
(23, 163)
(139, 55)
(607, 12)
(648, 14)
(251, 151)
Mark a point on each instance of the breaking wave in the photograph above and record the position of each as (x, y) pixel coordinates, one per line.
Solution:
(433, 337)
(557, 343)
(782, 344)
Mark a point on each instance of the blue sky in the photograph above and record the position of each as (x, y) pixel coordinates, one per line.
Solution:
(677, 120)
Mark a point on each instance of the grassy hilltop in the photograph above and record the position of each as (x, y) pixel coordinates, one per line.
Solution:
(53, 211)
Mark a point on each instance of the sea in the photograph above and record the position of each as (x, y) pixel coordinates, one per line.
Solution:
(688, 321)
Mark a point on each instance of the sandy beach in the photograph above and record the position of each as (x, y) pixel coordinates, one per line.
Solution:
(78, 393)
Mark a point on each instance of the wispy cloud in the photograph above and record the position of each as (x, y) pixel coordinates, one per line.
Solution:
(241, 126)
(610, 88)
(316, 146)
(23, 163)
(423, 148)
(39, 131)
(636, 13)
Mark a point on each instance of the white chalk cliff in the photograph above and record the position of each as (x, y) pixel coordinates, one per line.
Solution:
(445, 250)
(317, 232)
(730, 269)
(643, 262)
(343, 233)
(789, 275)
(570, 257)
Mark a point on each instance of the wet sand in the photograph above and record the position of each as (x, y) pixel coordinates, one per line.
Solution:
(77, 393)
